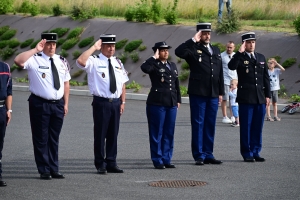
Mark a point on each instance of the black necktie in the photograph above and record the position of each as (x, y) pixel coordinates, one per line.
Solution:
(252, 57)
(55, 75)
(112, 78)
(207, 49)
(229, 57)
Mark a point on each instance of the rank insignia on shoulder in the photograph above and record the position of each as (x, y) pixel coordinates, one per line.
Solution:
(162, 70)
(103, 75)
(246, 62)
(43, 67)
(38, 54)
(118, 67)
(199, 51)
(96, 56)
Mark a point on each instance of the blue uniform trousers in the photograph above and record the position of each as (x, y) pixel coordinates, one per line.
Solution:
(46, 119)
(3, 121)
(161, 124)
(203, 121)
(106, 127)
(251, 125)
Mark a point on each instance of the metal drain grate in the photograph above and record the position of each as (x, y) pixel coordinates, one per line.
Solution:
(177, 183)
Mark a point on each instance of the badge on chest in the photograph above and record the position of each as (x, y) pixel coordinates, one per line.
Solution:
(103, 75)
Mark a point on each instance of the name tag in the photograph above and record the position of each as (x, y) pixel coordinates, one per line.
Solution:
(43, 67)
(101, 66)
(262, 63)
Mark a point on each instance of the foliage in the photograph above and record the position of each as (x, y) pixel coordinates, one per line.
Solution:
(179, 60)
(156, 11)
(22, 80)
(75, 32)
(134, 56)
(76, 54)
(8, 34)
(123, 57)
(295, 98)
(76, 83)
(184, 74)
(120, 44)
(129, 13)
(3, 44)
(60, 41)
(133, 45)
(282, 91)
(142, 11)
(296, 24)
(13, 43)
(56, 10)
(134, 85)
(142, 47)
(221, 46)
(34, 9)
(185, 66)
(77, 74)
(69, 43)
(183, 91)
(230, 23)
(6, 53)
(83, 12)
(86, 42)
(26, 43)
(63, 53)
(6, 6)
(33, 45)
(60, 31)
(171, 16)
(169, 57)
(15, 67)
(25, 7)
(3, 29)
(289, 62)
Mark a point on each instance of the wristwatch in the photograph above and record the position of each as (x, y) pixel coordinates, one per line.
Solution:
(10, 111)
(123, 102)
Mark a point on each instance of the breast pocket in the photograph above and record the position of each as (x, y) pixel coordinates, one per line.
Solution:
(43, 72)
(102, 72)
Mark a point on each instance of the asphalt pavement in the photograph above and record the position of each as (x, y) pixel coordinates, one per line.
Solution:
(277, 178)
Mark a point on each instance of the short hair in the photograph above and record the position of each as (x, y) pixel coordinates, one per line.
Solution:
(234, 81)
(272, 59)
(230, 42)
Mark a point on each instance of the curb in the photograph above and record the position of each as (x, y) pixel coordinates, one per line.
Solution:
(131, 96)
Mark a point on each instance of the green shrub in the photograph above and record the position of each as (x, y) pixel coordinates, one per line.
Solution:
(289, 62)
(60, 31)
(75, 32)
(3, 44)
(299, 65)
(183, 91)
(77, 74)
(26, 43)
(133, 45)
(34, 9)
(3, 29)
(179, 60)
(76, 54)
(134, 56)
(142, 11)
(25, 7)
(15, 67)
(56, 10)
(230, 23)
(169, 57)
(69, 43)
(60, 41)
(7, 53)
(63, 53)
(120, 44)
(134, 85)
(76, 83)
(156, 11)
(22, 80)
(295, 98)
(282, 91)
(184, 75)
(142, 47)
(171, 16)
(83, 13)
(222, 47)
(123, 57)
(6, 6)
(13, 43)
(33, 45)
(296, 24)
(8, 34)
(129, 13)
(86, 42)
(185, 66)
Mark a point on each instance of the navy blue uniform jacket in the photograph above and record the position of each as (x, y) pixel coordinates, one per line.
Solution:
(165, 89)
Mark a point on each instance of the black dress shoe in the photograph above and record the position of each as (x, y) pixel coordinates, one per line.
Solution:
(249, 159)
(102, 171)
(46, 176)
(57, 175)
(199, 162)
(159, 166)
(259, 159)
(212, 161)
(170, 165)
(2, 183)
(114, 169)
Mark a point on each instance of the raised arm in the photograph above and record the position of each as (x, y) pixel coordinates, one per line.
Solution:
(85, 55)
(148, 65)
(183, 50)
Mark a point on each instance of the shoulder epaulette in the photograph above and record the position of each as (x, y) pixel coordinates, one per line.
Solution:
(65, 61)
(62, 58)
(38, 54)
(96, 56)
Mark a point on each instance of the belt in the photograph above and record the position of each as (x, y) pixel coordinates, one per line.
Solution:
(2, 102)
(45, 100)
(106, 99)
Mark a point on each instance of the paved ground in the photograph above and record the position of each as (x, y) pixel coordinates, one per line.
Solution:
(277, 178)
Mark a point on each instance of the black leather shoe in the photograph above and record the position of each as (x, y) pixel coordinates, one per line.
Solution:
(212, 161)
(114, 169)
(2, 183)
(57, 175)
(170, 165)
(199, 162)
(46, 176)
(259, 159)
(159, 166)
(102, 171)
(249, 159)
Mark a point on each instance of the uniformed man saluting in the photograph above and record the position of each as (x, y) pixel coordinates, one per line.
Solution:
(206, 88)
(163, 101)
(49, 76)
(106, 80)
(252, 95)
(5, 107)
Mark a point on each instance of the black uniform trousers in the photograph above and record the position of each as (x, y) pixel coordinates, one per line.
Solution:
(46, 119)
(106, 115)
(3, 122)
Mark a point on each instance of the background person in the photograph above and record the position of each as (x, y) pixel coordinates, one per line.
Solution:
(49, 76)
(233, 103)
(221, 6)
(162, 103)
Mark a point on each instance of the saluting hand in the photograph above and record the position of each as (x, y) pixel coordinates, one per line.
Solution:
(97, 44)
(197, 36)
(40, 46)
(242, 47)
(156, 54)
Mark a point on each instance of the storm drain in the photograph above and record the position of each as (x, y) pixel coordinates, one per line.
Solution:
(177, 183)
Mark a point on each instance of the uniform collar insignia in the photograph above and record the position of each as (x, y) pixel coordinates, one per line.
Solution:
(199, 51)
(246, 62)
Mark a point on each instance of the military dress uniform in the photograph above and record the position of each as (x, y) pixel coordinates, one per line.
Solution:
(46, 108)
(106, 106)
(205, 85)
(6, 90)
(162, 108)
(253, 89)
